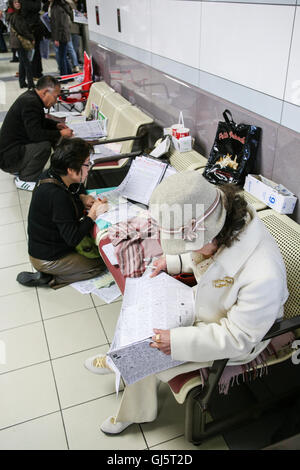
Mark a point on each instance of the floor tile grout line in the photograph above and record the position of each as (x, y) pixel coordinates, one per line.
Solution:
(28, 421)
(66, 408)
(69, 313)
(144, 437)
(100, 320)
(53, 373)
(167, 440)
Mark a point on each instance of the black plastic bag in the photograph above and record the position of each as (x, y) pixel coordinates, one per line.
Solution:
(234, 151)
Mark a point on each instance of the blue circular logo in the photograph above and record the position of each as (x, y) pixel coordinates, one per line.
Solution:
(272, 199)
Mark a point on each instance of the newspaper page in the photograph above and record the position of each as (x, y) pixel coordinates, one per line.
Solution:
(143, 177)
(160, 302)
(90, 130)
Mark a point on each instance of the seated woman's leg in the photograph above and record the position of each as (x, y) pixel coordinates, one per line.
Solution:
(70, 268)
(138, 405)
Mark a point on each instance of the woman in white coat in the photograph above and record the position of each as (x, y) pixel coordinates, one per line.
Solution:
(241, 284)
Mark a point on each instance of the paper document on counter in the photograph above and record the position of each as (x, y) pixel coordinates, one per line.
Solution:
(141, 180)
(160, 302)
(105, 150)
(88, 130)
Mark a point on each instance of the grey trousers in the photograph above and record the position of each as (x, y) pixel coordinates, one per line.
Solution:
(34, 159)
(30, 165)
(70, 268)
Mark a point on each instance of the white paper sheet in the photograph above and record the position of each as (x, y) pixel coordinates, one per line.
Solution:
(108, 294)
(142, 178)
(138, 360)
(120, 213)
(90, 285)
(87, 129)
(84, 287)
(110, 253)
(114, 147)
(162, 148)
(160, 302)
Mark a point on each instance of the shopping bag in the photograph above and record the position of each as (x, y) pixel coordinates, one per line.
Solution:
(233, 153)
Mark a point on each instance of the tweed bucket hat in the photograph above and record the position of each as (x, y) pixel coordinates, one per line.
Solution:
(188, 210)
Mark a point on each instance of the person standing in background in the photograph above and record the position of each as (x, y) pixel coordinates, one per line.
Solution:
(75, 36)
(20, 32)
(3, 29)
(60, 14)
(31, 13)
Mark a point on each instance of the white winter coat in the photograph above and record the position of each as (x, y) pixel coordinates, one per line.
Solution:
(232, 319)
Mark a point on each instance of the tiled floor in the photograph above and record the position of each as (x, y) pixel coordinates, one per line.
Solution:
(48, 400)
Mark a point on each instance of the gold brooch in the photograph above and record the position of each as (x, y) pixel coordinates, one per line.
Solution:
(227, 281)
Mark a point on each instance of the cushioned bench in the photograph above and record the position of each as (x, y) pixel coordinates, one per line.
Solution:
(124, 119)
(97, 92)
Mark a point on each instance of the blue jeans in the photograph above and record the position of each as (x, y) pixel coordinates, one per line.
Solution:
(64, 68)
(72, 54)
(76, 44)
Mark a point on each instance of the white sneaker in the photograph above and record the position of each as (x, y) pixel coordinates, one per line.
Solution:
(97, 364)
(26, 185)
(109, 426)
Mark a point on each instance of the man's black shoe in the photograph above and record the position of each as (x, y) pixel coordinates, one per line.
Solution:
(37, 279)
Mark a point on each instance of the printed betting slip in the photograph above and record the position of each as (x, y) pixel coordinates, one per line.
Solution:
(160, 302)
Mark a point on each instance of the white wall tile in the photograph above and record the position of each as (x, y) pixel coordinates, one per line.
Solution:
(107, 15)
(175, 30)
(292, 93)
(247, 44)
(135, 23)
(291, 116)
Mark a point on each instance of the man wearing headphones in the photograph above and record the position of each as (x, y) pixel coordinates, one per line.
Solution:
(56, 220)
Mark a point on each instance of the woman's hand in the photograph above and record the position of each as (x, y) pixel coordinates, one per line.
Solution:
(160, 265)
(56, 43)
(162, 341)
(66, 132)
(87, 200)
(98, 208)
(61, 125)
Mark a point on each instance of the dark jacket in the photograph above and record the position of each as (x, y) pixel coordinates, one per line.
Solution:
(30, 10)
(54, 228)
(61, 15)
(19, 24)
(25, 123)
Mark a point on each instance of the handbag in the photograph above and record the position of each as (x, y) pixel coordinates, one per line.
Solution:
(25, 43)
(88, 248)
(233, 153)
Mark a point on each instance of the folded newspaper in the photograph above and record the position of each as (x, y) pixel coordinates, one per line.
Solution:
(161, 302)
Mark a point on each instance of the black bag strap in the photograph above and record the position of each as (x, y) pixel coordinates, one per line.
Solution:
(55, 181)
(228, 121)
